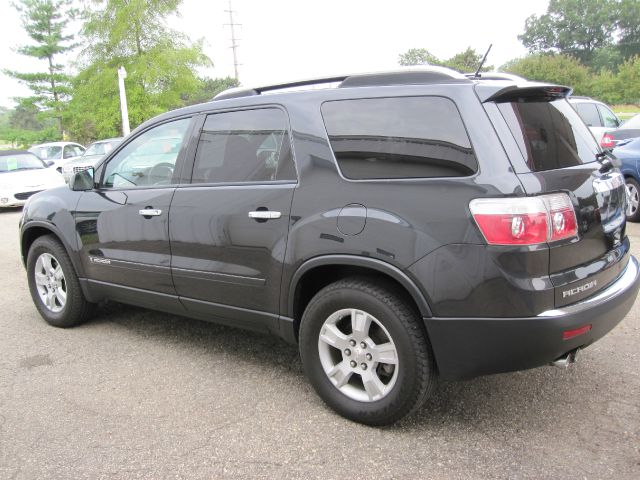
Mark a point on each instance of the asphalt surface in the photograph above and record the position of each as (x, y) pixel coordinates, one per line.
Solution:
(142, 394)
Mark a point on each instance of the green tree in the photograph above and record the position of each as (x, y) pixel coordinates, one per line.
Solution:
(418, 56)
(552, 68)
(576, 27)
(161, 66)
(46, 21)
(629, 81)
(605, 86)
(209, 88)
(629, 26)
(465, 61)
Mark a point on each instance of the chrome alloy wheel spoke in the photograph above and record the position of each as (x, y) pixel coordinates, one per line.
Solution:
(358, 355)
(50, 282)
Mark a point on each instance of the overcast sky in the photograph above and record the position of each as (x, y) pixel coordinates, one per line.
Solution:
(281, 40)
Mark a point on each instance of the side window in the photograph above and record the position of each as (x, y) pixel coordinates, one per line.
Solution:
(608, 117)
(589, 114)
(149, 159)
(68, 152)
(244, 146)
(402, 137)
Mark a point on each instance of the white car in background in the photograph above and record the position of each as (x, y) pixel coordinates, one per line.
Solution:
(597, 115)
(58, 152)
(23, 174)
(90, 158)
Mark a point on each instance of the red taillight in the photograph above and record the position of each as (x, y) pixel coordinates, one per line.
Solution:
(525, 220)
(510, 229)
(569, 334)
(607, 141)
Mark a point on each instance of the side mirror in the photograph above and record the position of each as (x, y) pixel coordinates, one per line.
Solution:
(49, 163)
(82, 181)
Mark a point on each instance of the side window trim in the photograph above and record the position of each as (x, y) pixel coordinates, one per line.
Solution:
(199, 128)
(180, 159)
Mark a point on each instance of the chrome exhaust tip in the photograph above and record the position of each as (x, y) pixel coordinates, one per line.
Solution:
(566, 360)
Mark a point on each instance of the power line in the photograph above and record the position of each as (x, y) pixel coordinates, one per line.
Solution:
(234, 43)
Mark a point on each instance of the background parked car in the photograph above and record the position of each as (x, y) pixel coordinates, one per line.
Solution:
(23, 174)
(597, 115)
(58, 152)
(628, 152)
(92, 154)
(629, 129)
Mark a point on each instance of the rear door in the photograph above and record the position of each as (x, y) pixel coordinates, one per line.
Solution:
(557, 154)
(229, 227)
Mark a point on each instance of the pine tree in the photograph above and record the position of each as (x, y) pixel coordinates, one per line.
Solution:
(46, 22)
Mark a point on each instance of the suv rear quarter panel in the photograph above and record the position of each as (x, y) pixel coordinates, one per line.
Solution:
(406, 220)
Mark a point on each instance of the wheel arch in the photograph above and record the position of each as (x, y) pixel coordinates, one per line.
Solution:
(316, 273)
(34, 230)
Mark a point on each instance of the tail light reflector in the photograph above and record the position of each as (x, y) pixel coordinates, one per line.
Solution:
(569, 334)
(525, 220)
(607, 141)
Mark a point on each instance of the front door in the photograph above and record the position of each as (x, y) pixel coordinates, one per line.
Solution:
(123, 225)
(229, 227)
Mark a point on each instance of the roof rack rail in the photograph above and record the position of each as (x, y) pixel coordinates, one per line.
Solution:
(420, 76)
(248, 92)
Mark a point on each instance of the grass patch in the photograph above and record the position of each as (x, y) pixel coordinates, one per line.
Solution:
(625, 111)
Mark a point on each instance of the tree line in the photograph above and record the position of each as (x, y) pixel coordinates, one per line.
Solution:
(590, 45)
(161, 65)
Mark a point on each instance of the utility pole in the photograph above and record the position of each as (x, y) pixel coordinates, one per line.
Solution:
(122, 74)
(234, 45)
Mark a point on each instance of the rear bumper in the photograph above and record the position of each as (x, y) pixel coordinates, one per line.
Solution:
(469, 347)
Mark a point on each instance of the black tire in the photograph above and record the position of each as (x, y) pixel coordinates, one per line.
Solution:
(634, 189)
(416, 370)
(76, 308)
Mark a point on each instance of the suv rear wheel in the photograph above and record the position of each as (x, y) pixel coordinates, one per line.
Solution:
(54, 284)
(365, 351)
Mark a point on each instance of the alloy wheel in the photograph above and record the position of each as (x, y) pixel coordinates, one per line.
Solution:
(358, 355)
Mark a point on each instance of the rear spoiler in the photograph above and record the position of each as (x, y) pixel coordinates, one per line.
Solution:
(537, 93)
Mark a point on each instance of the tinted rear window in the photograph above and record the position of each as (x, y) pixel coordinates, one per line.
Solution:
(400, 137)
(550, 135)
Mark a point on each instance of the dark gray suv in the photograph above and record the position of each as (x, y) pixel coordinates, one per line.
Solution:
(397, 226)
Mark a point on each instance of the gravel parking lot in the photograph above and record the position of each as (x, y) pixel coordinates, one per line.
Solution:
(141, 394)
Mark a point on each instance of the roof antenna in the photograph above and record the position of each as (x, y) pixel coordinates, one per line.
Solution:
(484, 59)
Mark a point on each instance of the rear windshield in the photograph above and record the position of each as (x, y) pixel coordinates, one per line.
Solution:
(550, 135)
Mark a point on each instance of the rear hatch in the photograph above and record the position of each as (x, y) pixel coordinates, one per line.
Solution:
(552, 150)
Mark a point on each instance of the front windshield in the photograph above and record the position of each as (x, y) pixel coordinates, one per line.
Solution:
(46, 153)
(20, 161)
(100, 148)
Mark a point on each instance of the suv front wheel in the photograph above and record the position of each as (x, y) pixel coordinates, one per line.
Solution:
(54, 285)
(365, 351)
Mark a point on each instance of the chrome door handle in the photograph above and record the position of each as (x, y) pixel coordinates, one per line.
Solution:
(264, 215)
(150, 212)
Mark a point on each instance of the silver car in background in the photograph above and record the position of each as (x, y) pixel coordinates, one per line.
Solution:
(91, 156)
(58, 152)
